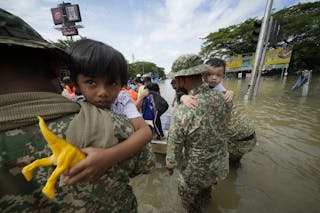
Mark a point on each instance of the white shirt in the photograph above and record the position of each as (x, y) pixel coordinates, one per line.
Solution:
(220, 88)
(124, 105)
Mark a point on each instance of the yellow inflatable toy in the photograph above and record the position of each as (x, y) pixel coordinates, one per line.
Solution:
(64, 156)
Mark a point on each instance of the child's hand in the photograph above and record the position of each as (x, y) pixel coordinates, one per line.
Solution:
(189, 100)
(92, 167)
(228, 96)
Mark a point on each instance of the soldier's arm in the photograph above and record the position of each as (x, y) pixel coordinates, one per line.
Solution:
(226, 113)
(98, 160)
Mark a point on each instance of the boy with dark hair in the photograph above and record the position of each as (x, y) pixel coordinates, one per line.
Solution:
(99, 71)
(215, 75)
(94, 58)
(30, 62)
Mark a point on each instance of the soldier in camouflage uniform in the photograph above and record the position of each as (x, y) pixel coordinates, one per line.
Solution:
(29, 68)
(240, 129)
(196, 142)
(241, 134)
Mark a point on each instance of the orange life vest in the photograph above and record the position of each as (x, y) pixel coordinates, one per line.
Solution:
(133, 94)
(72, 91)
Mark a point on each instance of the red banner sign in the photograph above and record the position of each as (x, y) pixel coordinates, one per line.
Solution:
(69, 31)
(57, 15)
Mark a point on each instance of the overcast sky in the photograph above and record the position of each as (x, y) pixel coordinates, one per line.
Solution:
(146, 30)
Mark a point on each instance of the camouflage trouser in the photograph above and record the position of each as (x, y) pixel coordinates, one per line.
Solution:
(193, 197)
(237, 148)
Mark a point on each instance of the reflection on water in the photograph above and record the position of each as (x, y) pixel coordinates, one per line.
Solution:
(282, 174)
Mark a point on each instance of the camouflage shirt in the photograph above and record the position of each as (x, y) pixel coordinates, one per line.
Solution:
(197, 141)
(239, 130)
(110, 193)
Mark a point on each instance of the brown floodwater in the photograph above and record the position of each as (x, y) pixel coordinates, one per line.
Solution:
(281, 174)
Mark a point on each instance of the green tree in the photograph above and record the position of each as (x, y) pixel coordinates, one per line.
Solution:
(300, 28)
(64, 44)
(145, 67)
(235, 39)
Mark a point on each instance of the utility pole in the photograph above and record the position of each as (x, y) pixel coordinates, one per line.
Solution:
(259, 50)
(256, 88)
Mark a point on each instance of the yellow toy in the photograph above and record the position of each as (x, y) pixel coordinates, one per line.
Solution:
(64, 156)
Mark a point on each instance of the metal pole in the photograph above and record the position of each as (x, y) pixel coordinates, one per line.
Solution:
(258, 54)
(282, 73)
(286, 71)
(305, 88)
(256, 88)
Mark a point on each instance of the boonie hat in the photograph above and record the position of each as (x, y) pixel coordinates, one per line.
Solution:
(15, 31)
(189, 64)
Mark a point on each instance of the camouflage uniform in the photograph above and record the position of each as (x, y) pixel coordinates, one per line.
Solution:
(196, 141)
(241, 135)
(22, 142)
(110, 193)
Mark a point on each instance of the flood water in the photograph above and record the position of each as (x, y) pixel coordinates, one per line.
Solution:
(282, 173)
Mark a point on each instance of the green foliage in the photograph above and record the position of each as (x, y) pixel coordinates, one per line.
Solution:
(64, 44)
(144, 67)
(235, 39)
(300, 27)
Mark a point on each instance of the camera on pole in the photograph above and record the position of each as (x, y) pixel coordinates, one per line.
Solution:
(275, 33)
(256, 31)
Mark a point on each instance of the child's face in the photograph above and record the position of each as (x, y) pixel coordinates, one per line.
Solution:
(214, 76)
(97, 91)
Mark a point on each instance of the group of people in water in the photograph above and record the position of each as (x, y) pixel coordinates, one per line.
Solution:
(110, 127)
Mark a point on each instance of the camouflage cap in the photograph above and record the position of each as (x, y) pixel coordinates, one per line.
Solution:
(14, 31)
(185, 65)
